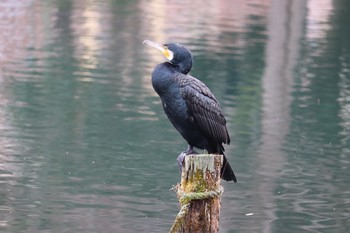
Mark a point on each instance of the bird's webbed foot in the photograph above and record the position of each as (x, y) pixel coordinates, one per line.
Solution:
(182, 156)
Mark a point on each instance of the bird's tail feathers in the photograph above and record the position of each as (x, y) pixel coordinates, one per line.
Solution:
(226, 171)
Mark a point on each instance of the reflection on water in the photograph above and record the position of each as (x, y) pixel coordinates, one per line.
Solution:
(85, 146)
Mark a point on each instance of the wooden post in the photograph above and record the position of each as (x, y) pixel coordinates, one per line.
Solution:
(199, 194)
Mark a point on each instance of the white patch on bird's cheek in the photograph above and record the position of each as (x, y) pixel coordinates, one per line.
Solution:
(169, 55)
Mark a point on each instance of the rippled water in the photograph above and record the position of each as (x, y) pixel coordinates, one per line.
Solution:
(85, 146)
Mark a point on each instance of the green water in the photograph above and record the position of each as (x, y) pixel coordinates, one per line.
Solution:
(86, 147)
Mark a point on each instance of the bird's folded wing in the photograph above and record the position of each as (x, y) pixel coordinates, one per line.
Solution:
(205, 109)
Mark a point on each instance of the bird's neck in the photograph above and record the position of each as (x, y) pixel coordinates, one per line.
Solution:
(182, 67)
(185, 69)
(163, 77)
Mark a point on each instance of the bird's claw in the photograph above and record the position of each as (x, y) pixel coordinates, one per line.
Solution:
(180, 159)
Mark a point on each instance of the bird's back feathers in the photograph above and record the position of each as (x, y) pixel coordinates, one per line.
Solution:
(204, 107)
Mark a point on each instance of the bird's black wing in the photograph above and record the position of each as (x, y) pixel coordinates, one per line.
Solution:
(205, 109)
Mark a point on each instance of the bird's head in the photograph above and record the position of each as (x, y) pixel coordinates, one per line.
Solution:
(177, 54)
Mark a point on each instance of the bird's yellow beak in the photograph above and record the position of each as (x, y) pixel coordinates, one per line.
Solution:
(167, 53)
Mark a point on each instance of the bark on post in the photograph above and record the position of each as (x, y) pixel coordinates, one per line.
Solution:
(199, 194)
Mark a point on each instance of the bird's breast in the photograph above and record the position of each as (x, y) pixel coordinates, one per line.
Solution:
(166, 83)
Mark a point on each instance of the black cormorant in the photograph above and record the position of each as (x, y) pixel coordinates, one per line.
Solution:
(190, 105)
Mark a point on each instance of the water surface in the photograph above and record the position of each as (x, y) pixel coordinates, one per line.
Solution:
(84, 143)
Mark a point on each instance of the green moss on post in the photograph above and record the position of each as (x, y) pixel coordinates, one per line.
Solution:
(199, 194)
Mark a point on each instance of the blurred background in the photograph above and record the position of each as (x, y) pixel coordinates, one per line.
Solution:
(85, 145)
